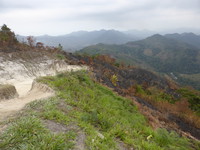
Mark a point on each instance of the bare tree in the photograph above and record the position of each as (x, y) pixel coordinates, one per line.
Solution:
(31, 41)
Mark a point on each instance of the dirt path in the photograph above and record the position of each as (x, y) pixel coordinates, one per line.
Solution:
(28, 90)
(27, 93)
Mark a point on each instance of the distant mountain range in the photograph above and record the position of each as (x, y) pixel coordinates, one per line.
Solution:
(80, 39)
(158, 52)
(164, 54)
(77, 40)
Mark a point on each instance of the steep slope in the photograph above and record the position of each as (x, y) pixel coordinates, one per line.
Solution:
(175, 103)
(89, 114)
(189, 38)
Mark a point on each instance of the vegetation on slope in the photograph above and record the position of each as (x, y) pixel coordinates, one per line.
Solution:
(160, 53)
(7, 37)
(189, 79)
(156, 53)
(159, 94)
(9, 43)
(108, 121)
(189, 38)
(7, 91)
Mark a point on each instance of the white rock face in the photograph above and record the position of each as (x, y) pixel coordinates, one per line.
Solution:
(21, 72)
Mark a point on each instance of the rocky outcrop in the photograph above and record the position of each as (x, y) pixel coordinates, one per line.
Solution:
(41, 87)
(22, 67)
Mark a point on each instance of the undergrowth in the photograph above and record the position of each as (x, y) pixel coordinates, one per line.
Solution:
(105, 118)
(28, 133)
(186, 106)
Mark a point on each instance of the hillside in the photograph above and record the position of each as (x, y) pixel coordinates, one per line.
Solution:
(156, 53)
(87, 116)
(154, 92)
(77, 40)
(189, 38)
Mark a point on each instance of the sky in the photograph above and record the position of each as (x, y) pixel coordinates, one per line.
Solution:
(59, 17)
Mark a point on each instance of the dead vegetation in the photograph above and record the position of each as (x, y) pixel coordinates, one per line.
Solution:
(7, 92)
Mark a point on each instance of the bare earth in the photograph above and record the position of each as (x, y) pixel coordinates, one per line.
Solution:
(21, 73)
(10, 107)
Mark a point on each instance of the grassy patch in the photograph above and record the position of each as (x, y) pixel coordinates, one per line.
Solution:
(186, 106)
(193, 97)
(60, 56)
(29, 133)
(98, 110)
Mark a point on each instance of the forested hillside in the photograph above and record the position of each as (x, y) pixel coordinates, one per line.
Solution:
(156, 53)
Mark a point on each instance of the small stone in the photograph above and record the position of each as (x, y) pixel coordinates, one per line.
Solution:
(100, 135)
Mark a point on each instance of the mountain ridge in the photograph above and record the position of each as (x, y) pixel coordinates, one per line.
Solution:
(77, 40)
(158, 53)
(189, 38)
(155, 49)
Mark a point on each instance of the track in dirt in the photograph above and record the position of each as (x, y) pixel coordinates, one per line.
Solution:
(38, 91)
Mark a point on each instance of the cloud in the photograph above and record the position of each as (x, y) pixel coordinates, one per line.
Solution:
(62, 16)
(8, 5)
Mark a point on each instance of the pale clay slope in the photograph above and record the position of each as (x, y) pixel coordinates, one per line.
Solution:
(21, 74)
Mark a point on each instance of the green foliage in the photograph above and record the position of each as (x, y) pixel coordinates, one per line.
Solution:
(4, 28)
(139, 89)
(104, 117)
(60, 47)
(29, 133)
(193, 97)
(158, 95)
(98, 110)
(60, 56)
(155, 53)
(189, 79)
(166, 139)
(7, 36)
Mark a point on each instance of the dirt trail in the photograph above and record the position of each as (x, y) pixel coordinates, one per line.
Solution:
(38, 91)
(28, 91)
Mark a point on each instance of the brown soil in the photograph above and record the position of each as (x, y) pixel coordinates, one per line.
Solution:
(57, 128)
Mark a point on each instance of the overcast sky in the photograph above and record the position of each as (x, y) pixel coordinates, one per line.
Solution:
(58, 17)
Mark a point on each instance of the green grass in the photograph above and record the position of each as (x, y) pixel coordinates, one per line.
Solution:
(104, 117)
(193, 97)
(60, 56)
(189, 80)
(154, 94)
(28, 133)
